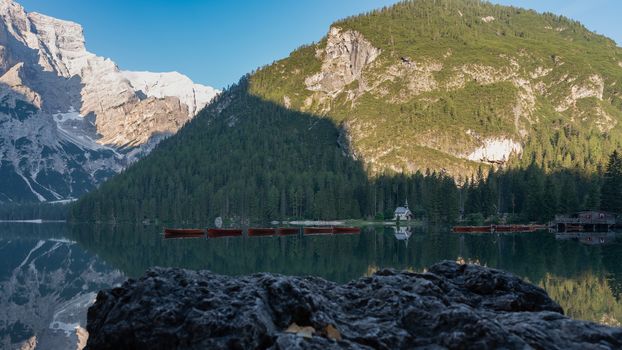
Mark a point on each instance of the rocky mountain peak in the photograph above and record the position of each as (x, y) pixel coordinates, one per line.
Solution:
(97, 119)
(61, 44)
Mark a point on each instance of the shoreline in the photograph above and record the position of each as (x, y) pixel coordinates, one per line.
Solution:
(351, 222)
(33, 221)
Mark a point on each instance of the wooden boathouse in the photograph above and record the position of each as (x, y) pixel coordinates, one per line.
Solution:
(584, 221)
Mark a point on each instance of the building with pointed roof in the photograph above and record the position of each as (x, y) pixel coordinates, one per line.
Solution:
(403, 213)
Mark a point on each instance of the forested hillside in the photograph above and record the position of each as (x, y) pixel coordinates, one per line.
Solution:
(415, 101)
(445, 84)
(243, 157)
(248, 159)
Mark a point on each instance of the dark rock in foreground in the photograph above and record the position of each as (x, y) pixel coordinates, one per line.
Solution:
(451, 306)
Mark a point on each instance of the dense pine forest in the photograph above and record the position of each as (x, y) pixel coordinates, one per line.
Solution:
(247, 159)
(533, 194)
(30, 211)
(295, 139)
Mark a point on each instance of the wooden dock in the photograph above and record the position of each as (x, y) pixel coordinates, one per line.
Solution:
(585, 221)
(498, 228)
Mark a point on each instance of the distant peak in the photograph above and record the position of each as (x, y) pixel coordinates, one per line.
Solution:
(6, 3)
(46, 18)
(10, 7)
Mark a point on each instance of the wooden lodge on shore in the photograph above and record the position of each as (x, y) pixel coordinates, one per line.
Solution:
(584, 221)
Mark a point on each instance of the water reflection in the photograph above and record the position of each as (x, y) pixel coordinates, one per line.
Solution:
(589, 238)
(45, 269)
(46, 283)
(538, 257)
(403, 234)
(341, 258)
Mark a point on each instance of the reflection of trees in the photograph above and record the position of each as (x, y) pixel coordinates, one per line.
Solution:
(587, 297)
(611, 261)
(134, 249)
(28, 231)
(342, 258)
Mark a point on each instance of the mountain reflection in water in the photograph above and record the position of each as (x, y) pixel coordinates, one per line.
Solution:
(46, 269)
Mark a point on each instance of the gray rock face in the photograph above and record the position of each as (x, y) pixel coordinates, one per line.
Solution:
(344, 58)
(449, 307)
(69, 119)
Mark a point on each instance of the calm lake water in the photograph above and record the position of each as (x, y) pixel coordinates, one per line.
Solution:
(50, 273)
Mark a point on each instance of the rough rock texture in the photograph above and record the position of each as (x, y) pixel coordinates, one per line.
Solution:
(451, 306)
(69, 118)
(344, 58)
(160, 85)
(496, 150)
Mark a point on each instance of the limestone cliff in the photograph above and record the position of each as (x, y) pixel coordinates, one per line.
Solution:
(69, 118)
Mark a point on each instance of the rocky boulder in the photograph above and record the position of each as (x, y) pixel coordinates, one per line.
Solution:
(451, 306)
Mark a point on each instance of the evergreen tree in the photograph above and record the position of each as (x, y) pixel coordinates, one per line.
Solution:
(592, 202)
(569, 199)
(550, 199)
(611, 191)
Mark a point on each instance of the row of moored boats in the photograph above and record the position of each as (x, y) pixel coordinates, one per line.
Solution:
(257, 232)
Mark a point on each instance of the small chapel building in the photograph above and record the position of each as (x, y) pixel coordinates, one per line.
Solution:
(403, 213)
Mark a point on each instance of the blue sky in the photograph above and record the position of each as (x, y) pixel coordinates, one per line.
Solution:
(216, 42)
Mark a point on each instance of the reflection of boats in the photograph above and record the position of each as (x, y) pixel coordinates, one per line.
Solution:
(497, 228)
(594, 240)
(223, 232)
(270, 231)
(317, 230)
(589, 238)
(183, 233)
(342, 230)
(286, 231)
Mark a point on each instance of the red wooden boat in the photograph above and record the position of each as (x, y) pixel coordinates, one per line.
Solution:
(223, 232)
(342, 229)
(183, 232)
(317, 230)
(286, 231)
(472, 229)
(515, 228)
(261, 231)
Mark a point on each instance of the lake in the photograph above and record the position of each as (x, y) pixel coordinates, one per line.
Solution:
(50, 273)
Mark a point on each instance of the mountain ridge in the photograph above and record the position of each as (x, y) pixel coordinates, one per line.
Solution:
(456, 77)
(416, 101)
(71, 119)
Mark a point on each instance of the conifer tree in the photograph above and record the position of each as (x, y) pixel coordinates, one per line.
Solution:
(611, 191)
